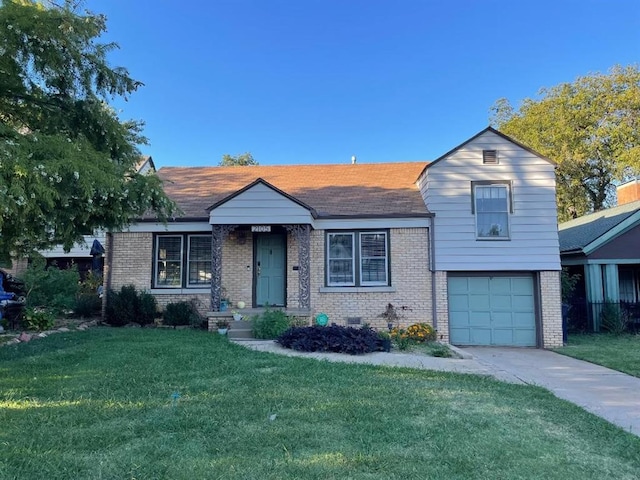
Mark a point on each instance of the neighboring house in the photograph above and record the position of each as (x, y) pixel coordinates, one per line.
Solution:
(467, 243)
(604, 249)
(80, 254)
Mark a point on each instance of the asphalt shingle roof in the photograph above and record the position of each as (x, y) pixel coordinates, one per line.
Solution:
(376, 189)
(576, 234)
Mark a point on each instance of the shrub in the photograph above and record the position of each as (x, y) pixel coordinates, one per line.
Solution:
(613, 319)
(181, 313)
(51, 287)
(270, 324)
(421, 332)
(38, 319)
(87, 305)
(129, 306)
(147, 308)
(333, 338)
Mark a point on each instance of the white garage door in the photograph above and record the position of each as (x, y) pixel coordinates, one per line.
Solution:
(492, 310)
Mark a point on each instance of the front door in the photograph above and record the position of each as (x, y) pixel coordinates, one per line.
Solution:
(269, 269)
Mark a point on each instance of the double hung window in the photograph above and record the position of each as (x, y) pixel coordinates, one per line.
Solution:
(357, 258)
(182, 261)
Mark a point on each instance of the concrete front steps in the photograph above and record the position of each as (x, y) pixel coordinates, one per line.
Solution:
(241, 329)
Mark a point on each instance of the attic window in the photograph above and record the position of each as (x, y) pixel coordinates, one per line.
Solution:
(490, 157)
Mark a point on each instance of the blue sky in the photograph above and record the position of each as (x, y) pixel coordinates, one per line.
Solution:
(310, 81)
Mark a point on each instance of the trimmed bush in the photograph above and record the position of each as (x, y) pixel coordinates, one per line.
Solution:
(129, 306)
(333, 338)
(181, 313)
(270, 324)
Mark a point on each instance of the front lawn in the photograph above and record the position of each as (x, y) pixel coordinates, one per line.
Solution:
(185, 404)
(619, 352)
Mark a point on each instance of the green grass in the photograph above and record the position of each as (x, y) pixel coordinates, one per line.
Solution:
(98, 404)
(618, 352)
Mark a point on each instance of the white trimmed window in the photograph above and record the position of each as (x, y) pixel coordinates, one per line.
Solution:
(357, 258)
(177, 266)
(492, 205)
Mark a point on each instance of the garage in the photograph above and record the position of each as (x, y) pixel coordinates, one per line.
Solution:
(492, 310)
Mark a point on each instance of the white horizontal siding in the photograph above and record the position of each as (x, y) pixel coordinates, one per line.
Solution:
(259, 204)
(78, 250)
(446, 188)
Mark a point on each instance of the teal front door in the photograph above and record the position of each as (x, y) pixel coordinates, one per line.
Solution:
(495, 310)
(269, 269)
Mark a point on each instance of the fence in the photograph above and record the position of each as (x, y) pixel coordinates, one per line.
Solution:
(583, 316)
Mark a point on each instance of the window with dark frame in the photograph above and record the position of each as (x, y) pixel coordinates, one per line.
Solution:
(357, 258)
(491, 207)
(180, 267)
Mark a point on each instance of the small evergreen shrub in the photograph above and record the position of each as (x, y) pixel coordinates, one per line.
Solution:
(181, 313)
(270, 324)
(130, 306)
(87, 305)
(147, 308)
(333, 338)
(38, 319)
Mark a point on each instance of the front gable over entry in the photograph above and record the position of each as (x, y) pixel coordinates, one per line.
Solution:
(260, 202)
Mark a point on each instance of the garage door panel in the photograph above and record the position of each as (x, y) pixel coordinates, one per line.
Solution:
(502, 319)
(480, 319)
(460, 336)
(522, 285)
(479, 303)
(524, 338)
(479, 284)
(492, 310)
(480, 336)
(459, 302)
(458, 285)
(501, 302)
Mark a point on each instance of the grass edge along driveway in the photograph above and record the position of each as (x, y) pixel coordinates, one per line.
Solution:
(144, 403)
(617, 352)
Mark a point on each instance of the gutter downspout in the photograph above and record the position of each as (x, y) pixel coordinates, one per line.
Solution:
(107, 274)
(432, 261)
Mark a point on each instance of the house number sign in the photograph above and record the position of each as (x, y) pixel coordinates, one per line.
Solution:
(260, 228)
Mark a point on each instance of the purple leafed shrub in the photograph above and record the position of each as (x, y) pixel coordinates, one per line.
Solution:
(333, 338)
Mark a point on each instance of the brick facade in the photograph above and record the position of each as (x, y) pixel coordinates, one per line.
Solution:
(410, 280)
(551, 309)
(442, 306)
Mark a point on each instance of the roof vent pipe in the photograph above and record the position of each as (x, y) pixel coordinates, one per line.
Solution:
(353, 160)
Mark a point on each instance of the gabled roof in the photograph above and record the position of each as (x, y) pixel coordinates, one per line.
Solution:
(492, 130)
(261, 181)
(334, 190)
(586, 233)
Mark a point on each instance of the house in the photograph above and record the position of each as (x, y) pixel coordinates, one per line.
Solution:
(467, 243)
(603, 249)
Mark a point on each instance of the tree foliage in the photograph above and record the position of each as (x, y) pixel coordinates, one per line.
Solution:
(67, 162)
(590, 127)
(241, 160)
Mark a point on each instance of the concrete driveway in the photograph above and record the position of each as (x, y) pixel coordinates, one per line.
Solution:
(607, 393)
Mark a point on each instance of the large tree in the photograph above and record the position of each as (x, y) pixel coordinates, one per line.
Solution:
(591, 127)
(242, 160)
(67, 162)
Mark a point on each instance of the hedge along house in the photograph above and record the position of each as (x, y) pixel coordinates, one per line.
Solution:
(347, 240)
